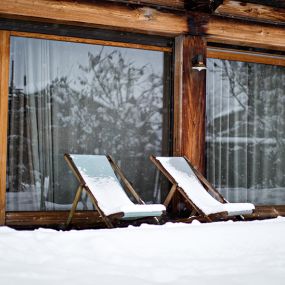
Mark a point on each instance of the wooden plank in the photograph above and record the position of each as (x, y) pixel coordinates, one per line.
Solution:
(85, 219)
(189, 106)
(177, 97)
(255, 12)
(196, 5)
(254, 57)
(242, 33)
(90, 41)
(84, 32)
(193, 103)
(4, 82)
(272, 3)
(53, 218)
(173, 4)
(146, 20)
(266, 212)
(141, 19)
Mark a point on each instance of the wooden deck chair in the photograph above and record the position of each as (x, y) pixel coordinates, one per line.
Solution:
(96, 175)
(206, 202)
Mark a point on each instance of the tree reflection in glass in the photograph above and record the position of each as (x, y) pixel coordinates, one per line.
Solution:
(85, 99)
(246, 130)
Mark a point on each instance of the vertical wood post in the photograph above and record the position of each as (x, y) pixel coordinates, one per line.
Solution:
(190, 101)
(4, 82)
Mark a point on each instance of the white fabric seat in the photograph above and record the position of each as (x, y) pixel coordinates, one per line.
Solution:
(104, 185)
(186, 179)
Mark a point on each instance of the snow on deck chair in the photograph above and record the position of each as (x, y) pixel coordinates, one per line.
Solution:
(196, 191)
(96, 175)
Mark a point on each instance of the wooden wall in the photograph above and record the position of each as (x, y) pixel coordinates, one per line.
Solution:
(264, 28)
(148, 20)
(190, 92)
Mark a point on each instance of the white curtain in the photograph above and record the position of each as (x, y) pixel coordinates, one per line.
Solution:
(246, 130)
(79, 98)
(31, 138)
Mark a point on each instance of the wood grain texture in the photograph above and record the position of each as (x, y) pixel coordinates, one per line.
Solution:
(177, 98)
(242, 33)
(146, 20)
(271, 3)
(51, 218)
(90, 41)
(255, 12)
(141, 19)
(189, 101)
(254, 57)
(4, 81)
(193, 103)
(171, 4)
(188, 5)
(88, 219)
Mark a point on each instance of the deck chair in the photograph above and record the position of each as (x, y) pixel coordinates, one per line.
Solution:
(96, 175)
(206, 202)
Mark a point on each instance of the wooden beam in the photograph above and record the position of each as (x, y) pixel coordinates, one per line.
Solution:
(207, 6)
(170, 4)
(189, 107)
(246, 56)
(146, 20)
(189, 112)
(141, 19)
(55, 219)
(190, 5)
(237, 32)
(88, 219)
(90, 41)
(271, 3)
(4, 81)
(249, 11)
(178, 93)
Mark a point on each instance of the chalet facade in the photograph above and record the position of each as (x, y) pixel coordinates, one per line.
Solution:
(123, 78)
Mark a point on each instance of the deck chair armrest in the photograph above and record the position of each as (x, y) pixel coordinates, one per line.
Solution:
(170, 195)
(128, 185)
(208, 186)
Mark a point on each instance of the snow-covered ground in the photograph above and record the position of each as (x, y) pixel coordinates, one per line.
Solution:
(217, 253)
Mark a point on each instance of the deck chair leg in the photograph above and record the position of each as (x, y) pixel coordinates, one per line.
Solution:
(170, 195)
(125, 180)
(103, 216)
(74, 205)
(156, 220)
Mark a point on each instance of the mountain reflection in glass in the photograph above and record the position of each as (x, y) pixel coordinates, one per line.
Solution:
(246, 130)
(79, 98)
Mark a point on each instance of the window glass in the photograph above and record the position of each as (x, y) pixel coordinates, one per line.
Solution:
(246, 130)
(86, 99)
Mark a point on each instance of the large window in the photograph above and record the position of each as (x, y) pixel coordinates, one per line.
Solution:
(80, 98)
(246, 130)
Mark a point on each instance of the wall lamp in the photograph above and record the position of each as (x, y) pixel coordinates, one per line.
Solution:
(198, 63)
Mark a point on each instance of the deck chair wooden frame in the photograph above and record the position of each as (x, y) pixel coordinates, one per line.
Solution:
(110, 220)
(197, 213)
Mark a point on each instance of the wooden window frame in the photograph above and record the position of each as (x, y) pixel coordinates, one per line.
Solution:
(245, 56)
(270, 58)
(4, 79)
(188, 87)
(31, 219)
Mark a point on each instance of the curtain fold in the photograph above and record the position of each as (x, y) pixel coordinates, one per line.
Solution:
(246, 130)
(86, 99)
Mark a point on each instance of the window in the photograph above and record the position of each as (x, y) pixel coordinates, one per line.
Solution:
(67, 97)
(245, 130)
